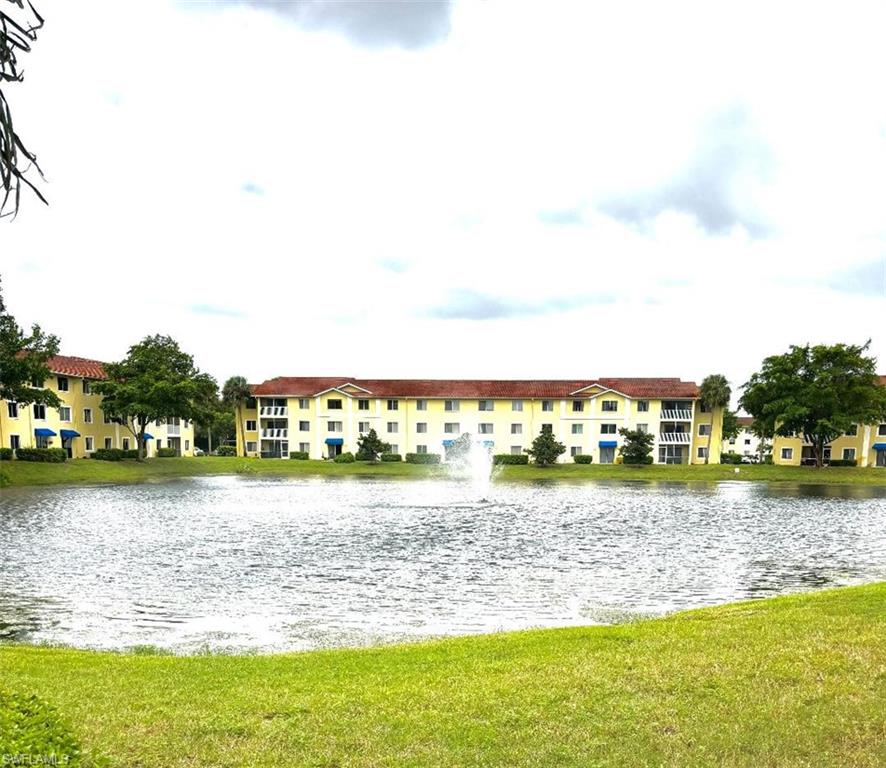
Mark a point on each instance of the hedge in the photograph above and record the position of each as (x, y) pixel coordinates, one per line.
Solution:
(344, 458)
(510, 458)
(843, 462)
(391, 457)
(226, 450)
(5, 454)
(638, 462)
(422, 458)
(730, 457)
(166, 453)
(114, 454)
(583, 458)
(50, 455)
(298, 455)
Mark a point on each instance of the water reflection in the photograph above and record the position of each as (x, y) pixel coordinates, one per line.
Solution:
(250, 563)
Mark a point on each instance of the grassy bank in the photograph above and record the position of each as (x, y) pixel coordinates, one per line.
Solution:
(793, 681)
(86, 471)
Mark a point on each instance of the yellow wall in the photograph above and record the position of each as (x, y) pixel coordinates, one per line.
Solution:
(862, 442)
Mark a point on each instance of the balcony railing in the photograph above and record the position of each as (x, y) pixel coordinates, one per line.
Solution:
(273, 410)
(674, 438)
(676, 415)
(275, 433)
(173, 429)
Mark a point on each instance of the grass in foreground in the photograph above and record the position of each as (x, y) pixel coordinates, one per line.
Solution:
(794, 681)
(88, 471)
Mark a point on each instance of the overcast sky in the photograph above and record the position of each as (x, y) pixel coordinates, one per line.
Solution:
(466, 189)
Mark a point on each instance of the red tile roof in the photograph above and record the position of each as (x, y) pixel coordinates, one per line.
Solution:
(76, 366)
(745, 421)
(299, 386)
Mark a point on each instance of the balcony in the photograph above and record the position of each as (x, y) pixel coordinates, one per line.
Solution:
(275, 433)
(273, 410)
(676, 415)
(674, 438)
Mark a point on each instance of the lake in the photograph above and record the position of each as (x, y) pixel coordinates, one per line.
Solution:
(248, 564)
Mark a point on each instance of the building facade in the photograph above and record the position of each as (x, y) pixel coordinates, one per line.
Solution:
(325, 416)
(79, 425)
(745, 443)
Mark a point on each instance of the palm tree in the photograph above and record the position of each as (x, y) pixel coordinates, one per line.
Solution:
(715, 393)
(234, 393)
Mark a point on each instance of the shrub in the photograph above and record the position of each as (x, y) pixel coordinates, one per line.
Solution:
(344, 458)
(226, 450)
(583, 458)
(370, 445)
(29, 727)
(510, 458)
(422, 458)
(638, 461)
(844, 462)
(730, 457)
(299, 455)
(130, 453)
(108, 454)
(768, 459)
(5, 454)
(166, 453)
(49, 455)
(546, 449)
(391, 457)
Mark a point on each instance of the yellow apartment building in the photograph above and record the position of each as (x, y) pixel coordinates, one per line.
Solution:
(324, 416)
(79, 425)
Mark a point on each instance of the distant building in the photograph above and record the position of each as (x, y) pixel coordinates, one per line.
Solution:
(745, 443)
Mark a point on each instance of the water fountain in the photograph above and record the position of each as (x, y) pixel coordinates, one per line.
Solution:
(472, 460)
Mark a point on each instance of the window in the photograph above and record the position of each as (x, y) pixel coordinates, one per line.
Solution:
(484, 429)
(547, 405)
(185, 423)
(747, 441)
(37, 383)
(304, 447)
(578, 429)
(451, 428)
(363, 404)
(159, 444)
(610, 406)
(12, 410)
(642, 406)
(14, 442)
(89, 444)
(393, 405)
(450, 405)
(549, 428)
(486, 405)
(702, 453)
(251, 446)
(250, 403)
(62, 383)
(333, 426)
(87, 387)
(852, 431)
(393, 427)
(187, 445)
(578, 406)
(304, 403)
(304, 426)
(43, 442)
(644, 428)
(516, 429)
(109, 443)
(125, 443)
(87, 415)
(702, 406)
(881, 430)
(787, 454)
(849, 454)
(39, 411)
(362, 427)
(516, 405)
(250, 425)
(107, 419)
(421, 427)
(421, 405)
(575, 450)
(704, 430)
(608, 429)
(516, 450)
(395, 448)
(333, 405)
(421, 449)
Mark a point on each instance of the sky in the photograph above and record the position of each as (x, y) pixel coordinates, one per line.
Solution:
(495, 189)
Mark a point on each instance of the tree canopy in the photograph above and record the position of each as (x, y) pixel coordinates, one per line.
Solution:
(731, 427)
(235, 392)
(715, 393)
(370, 446)
(23, 357)
(546, 449)
(156, 381)
(817, 392)
(637, 446)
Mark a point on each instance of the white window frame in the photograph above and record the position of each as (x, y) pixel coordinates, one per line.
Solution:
(451, 406)
(787, 454)
(393, 428)
(109, 443)
(254, 426)
(12, 409)
(89, 443)
(516, 405)
(421, 427)
(578, 429)
(42, 411)
(516, 429)
(485, 428)
(87, 415)
(58, 383)
(61, 411)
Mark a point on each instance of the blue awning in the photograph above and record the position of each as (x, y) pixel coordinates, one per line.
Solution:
(447, 443)
(148, 436)
(43, 432)
(608, 443)
(335, 441)
(880, 446)
(68, 433)
(489, 443)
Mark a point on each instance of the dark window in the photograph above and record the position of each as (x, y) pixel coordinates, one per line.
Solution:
(363, 405)
(642, 405)
(578, 406)
(62, 383)
(393, 405)
(610, 406)
(334, 405)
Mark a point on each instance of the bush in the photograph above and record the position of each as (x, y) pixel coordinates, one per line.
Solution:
(299, 455)
(344, 458)
(768, 459)
(226, 450)
(108, 454)
(422, 458)
(844, 462)
(29, 727)
(5, 454)
(730, 457)
(510, 458)
(583, 458)
(637, 462)
(131, 453)
(391, 457)
(49, 455)
(166, 453)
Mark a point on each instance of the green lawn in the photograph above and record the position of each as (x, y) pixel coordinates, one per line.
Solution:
(87, 471)
(793, 681)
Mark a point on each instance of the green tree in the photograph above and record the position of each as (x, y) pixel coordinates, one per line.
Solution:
(156, 380)
(23, 358)
(637, 446)
(764, 435)
(370, 446)
(217, 428)
(18, 30)
(715, 393)
(818, 392)
(731, 427)
(235, 393)
(546, 449)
